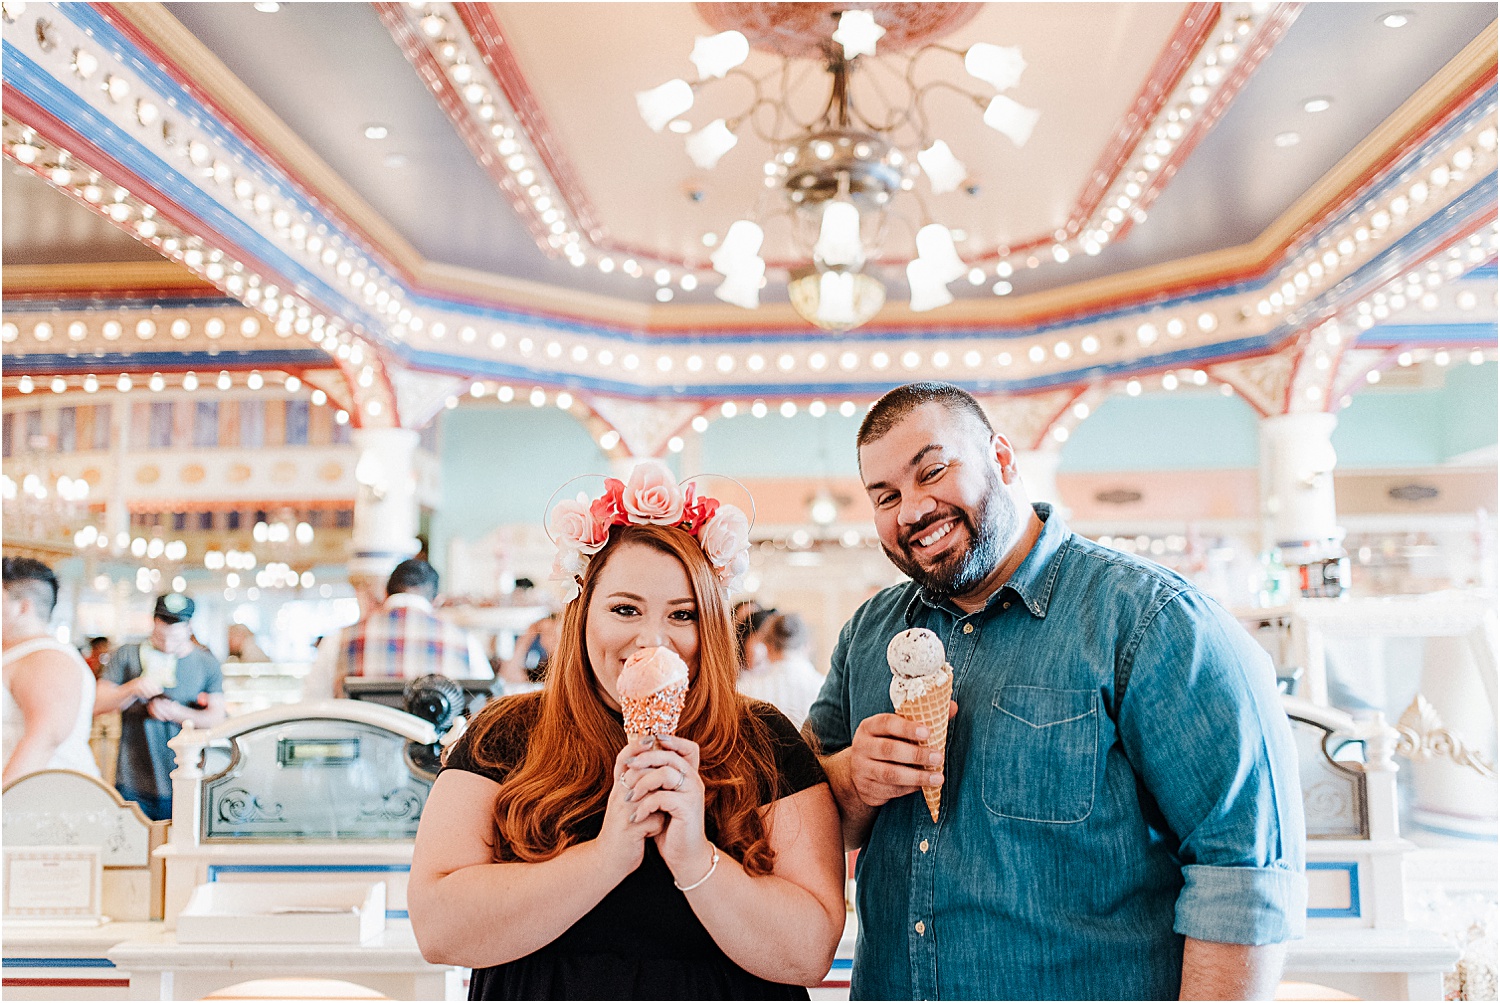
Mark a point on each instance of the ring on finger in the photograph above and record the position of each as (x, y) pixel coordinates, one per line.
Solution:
(681, 779)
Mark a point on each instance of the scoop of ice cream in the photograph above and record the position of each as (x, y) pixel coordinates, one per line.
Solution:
(917, 664)
(648, 670)
(915, 652)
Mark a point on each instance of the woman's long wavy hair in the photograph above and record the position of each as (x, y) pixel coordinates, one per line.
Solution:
(567, 774)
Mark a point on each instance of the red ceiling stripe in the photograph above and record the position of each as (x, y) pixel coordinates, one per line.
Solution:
(149, 49)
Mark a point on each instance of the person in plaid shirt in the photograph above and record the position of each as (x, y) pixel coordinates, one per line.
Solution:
(403, 639)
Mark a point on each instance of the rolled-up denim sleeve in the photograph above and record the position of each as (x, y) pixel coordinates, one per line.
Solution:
(828, 720)
(1204, 727)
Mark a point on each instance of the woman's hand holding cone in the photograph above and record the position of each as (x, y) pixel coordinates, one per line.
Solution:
(665, 783)
(622, 838)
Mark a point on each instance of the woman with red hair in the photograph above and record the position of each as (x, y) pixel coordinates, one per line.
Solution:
(558, 861)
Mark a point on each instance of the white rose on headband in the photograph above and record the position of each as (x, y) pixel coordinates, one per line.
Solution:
(726, 536)
(652, 495)
(576, 524)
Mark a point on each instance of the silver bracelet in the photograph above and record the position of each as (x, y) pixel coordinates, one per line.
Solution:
(711, 868)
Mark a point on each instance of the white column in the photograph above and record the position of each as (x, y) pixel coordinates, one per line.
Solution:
(385, 509)
(1038, 469)
(1296, 485)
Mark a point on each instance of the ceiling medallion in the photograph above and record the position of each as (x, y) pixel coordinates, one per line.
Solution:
(838, 174)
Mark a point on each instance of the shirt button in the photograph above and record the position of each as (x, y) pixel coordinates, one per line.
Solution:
(968, 628)
(923, 846)
(921, 928)
(1005, 605)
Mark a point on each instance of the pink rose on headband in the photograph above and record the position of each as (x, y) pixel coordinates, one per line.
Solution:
(725, 538)
(580, 526)
(652, 495)
(697, 510)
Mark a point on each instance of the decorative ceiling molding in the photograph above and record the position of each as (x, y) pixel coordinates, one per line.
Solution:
(645, 428)
(231, 212)
(460, 52)
(1263, 381)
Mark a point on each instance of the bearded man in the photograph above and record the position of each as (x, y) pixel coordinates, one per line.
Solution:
(1121, 814)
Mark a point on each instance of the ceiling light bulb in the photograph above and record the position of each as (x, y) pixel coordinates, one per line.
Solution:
(928, 289)
(708, 144)
(660, 105)
(1315, 105)
(1396, 19)
(741, 285)
(836, 298)
(935, 247)
(376, 131)
(741, 243)
(1285, 139)
(1011, 119)
(838, 243)
(716, 55)
(997, 65)
(944, 171)
(858, 33)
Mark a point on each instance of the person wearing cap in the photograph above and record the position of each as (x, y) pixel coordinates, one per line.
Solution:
(158, 685)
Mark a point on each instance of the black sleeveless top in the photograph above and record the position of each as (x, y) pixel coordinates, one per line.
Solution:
(643, 940)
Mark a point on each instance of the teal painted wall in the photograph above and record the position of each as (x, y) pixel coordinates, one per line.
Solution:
(773, 446)
(1421, 427)
(1193, 430)
(501, 465)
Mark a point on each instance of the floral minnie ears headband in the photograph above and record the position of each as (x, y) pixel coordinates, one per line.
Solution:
(580, 526)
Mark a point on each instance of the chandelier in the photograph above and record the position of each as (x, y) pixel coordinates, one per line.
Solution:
(837, 174)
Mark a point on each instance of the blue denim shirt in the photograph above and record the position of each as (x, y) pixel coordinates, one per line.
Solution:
(1082, 835)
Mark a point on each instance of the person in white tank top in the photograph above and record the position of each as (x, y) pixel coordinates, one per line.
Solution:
(47, 700)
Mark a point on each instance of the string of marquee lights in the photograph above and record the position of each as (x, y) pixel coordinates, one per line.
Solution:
(1195, 322)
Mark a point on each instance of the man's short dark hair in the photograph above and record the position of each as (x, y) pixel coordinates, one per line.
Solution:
(415, 575)
(886, 413)
(36, 578)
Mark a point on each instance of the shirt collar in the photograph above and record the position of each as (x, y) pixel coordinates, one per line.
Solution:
(1032, 580)
(402, 600)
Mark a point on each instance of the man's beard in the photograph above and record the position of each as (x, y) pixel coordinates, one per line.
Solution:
(994, 525)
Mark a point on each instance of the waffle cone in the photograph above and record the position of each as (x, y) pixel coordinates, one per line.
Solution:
(656, 713)
(931, 709)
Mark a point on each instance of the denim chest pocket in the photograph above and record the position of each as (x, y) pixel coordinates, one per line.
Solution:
(1040, 751)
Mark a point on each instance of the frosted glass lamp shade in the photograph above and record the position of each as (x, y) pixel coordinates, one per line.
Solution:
(928, 290)
(944, 171)
(742, 242)
(741, 286)
(997, 65)
(838, 243)
(660, 105)
(716, 55)
(1011, 119)
(858, 33)
(935, 247)
(836, 299)
(710, 143)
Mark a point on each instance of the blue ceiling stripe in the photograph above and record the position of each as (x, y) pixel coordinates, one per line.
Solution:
(1389, 335)
(138, 361)
(28, 78)
(88, 20)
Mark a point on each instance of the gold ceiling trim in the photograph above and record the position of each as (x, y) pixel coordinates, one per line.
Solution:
(156, 23)
(104, 276)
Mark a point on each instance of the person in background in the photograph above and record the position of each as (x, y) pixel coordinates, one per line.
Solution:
(740, 615)
(48, 698)
(781, 671)
(526, 668)
(98, 654)
(402, 639)
(242, 645)
(158, 686)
